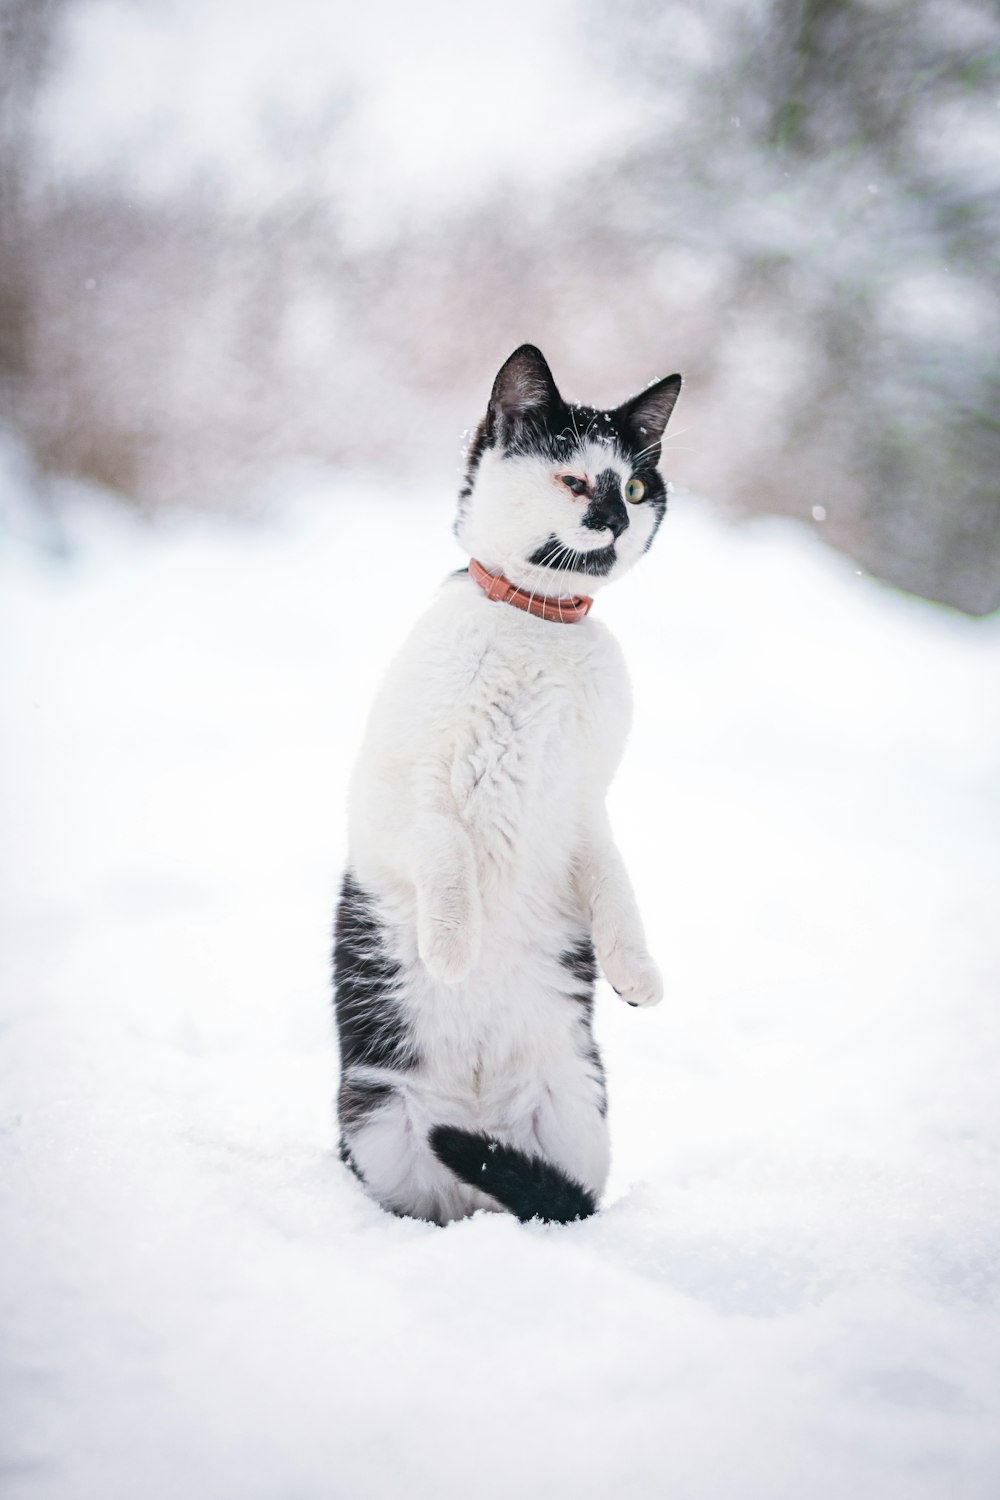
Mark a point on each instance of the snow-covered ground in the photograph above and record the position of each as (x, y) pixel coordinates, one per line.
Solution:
(792, 1290)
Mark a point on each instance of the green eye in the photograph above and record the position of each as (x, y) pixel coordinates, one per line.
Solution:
(634, 491)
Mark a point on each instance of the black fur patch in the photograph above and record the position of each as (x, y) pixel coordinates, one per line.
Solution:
(581, 961)
(344, 1152)
(482, 439)
(607, 510)
(526, 1185)
(358, 1099)
(661, 511)
(556, 554)
(597, 1072)
(370, 1023)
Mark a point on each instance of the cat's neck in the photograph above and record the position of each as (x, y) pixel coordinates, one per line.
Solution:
(495, 586)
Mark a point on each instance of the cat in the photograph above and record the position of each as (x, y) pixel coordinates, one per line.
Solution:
(483, 885)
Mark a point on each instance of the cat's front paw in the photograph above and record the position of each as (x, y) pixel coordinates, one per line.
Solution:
(449, 934)
(448, 952)
(634, 976)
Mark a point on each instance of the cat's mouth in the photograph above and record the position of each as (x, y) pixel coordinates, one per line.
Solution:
(556, 554)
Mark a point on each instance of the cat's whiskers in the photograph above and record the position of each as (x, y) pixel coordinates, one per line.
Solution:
(645, 451)
(566, 552)
(574, 558)
(576, 430)
(552, 557)
(663, 444)
(668, 442)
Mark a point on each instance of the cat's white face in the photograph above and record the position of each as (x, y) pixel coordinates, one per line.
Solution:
(558, 527)
(561, 499)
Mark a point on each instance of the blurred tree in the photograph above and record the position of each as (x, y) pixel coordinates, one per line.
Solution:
(841, 160)
(26, 31)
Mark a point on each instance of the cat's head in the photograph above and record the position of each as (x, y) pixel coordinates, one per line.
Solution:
(562, 498)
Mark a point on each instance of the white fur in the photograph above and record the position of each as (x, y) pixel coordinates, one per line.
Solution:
(477, 823)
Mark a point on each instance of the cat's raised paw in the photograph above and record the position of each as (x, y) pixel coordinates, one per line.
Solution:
(636, 979)
(449, 924)
(448, 950)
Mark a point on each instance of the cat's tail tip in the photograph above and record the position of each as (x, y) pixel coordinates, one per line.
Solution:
(528, 1186)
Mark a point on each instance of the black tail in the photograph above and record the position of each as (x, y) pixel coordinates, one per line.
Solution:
(530, 1187)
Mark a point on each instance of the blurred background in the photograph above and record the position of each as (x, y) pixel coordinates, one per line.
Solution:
(236, 236)
(258, 267)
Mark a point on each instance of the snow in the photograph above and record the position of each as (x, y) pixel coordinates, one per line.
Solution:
(792, 1288)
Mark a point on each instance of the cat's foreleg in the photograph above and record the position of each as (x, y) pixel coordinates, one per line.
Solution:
(449, 907)
(618, 936)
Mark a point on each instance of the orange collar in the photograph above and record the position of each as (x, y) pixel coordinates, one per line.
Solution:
(495, 586)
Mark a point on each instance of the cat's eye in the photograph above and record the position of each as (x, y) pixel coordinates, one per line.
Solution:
(635, 491)
(578, 486)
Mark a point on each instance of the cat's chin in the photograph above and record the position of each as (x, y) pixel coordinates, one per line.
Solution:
(555, 582)
(553, 570)
(557, 555)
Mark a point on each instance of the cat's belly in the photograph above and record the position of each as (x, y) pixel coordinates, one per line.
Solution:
(492, 1042)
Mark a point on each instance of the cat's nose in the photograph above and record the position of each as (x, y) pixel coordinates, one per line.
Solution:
(605, 515)
(607, 509)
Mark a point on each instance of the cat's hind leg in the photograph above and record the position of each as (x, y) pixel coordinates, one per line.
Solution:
(568, 1124)
(548, 1162)
(387, 1148)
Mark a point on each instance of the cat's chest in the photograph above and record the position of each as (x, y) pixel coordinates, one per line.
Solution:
(541, 688)
(544, 716)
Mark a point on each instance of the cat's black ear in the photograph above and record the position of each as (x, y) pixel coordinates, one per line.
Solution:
(645, 416)
(524, 386)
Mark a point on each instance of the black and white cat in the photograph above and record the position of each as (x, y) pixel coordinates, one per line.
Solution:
(483, 877)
